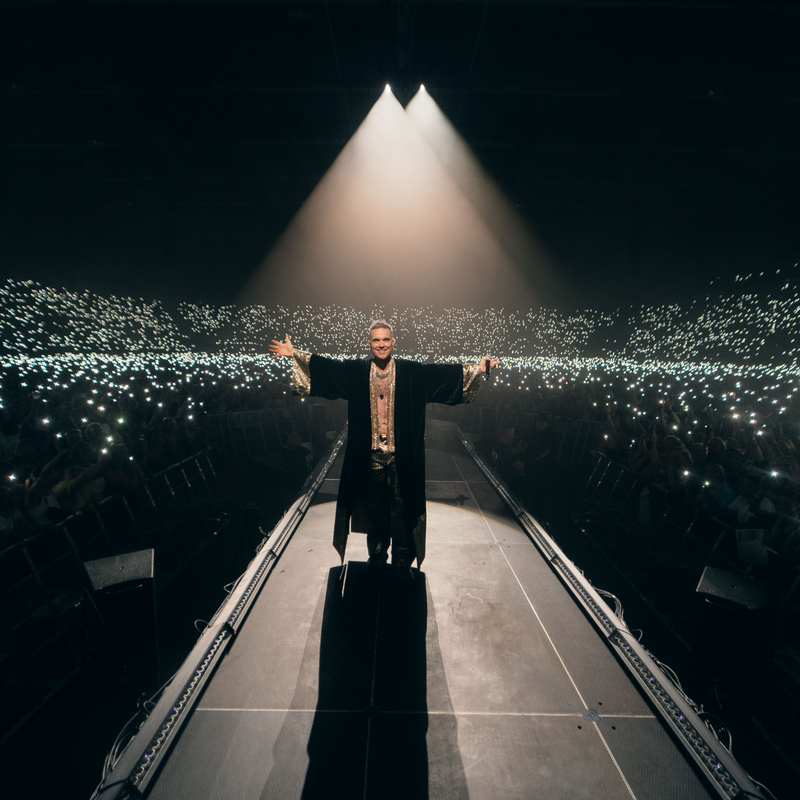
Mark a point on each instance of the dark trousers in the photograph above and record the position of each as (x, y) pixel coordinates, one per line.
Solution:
(387, 518)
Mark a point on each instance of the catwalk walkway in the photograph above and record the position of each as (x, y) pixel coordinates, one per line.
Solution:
(483, 678)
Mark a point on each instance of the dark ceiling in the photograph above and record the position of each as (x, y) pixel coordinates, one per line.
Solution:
(159, 148)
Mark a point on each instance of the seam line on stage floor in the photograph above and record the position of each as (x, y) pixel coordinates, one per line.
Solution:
(547, 634)
(290, 710)
(525, 594)
(575, 714)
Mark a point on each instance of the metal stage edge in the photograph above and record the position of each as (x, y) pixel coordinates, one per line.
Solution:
(139, 762)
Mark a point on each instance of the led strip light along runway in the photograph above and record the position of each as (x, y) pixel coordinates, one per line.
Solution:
(724, 773)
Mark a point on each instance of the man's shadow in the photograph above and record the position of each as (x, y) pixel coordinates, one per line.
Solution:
(371, 722)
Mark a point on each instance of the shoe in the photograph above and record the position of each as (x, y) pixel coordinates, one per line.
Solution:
(377, 561)
(402, 573)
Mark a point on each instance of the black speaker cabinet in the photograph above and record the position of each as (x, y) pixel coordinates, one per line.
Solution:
(124, 592)
(734, 639)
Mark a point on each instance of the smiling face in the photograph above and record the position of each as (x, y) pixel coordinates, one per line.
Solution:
(381, 343)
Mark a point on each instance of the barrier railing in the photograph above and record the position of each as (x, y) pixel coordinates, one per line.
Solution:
(252, 434)
(723, 772)
(662, 546)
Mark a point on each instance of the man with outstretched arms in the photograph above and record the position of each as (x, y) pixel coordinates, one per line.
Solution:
(382, 487)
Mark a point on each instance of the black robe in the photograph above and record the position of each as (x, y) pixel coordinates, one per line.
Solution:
(416, 385)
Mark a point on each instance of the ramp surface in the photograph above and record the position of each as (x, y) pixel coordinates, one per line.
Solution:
(481, 679)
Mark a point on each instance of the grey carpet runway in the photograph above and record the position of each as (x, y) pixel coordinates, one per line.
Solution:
(481, 679)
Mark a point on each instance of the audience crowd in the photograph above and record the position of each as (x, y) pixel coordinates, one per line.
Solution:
(706, 458)
(77, 425)
(63, 448)
(736, 468)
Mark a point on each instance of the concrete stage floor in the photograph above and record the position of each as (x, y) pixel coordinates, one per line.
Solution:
(481, 679)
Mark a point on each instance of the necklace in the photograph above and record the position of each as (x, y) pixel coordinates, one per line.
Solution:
(381, 392)
(381, 376)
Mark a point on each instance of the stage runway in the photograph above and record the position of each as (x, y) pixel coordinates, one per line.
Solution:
(481, 679)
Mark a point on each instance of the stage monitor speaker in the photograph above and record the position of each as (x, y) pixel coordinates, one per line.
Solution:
(124, 591)
(734, 639)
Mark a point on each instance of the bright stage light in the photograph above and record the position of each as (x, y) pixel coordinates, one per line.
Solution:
(389, 226)
(497, 212)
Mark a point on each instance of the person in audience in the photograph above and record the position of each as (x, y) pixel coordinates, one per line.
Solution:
(76, 490)
(677, 468)
(506, 459)
(41, 505)
(732, 462)
(786, 475)
(83, 454)
(716, 447)
(786, 504)
(68, 438)
(12, 522)
(751, 504)
(163, 445)
(9, 439)
(699, 455)
(716, 493)
(539, 442)
(124, 476)
(614, 439)
(25, 456)
(94, 440)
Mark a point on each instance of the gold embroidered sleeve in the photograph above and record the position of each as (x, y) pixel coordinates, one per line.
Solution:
(301, 372)
(472, 381)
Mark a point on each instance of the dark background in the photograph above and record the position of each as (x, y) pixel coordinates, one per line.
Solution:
(158, 149)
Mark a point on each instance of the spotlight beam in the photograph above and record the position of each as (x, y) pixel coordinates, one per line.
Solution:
(481, 190)
(389, 226)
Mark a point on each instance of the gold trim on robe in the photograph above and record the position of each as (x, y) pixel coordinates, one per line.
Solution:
(384, 444)
(301, 372)
(472, 381)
